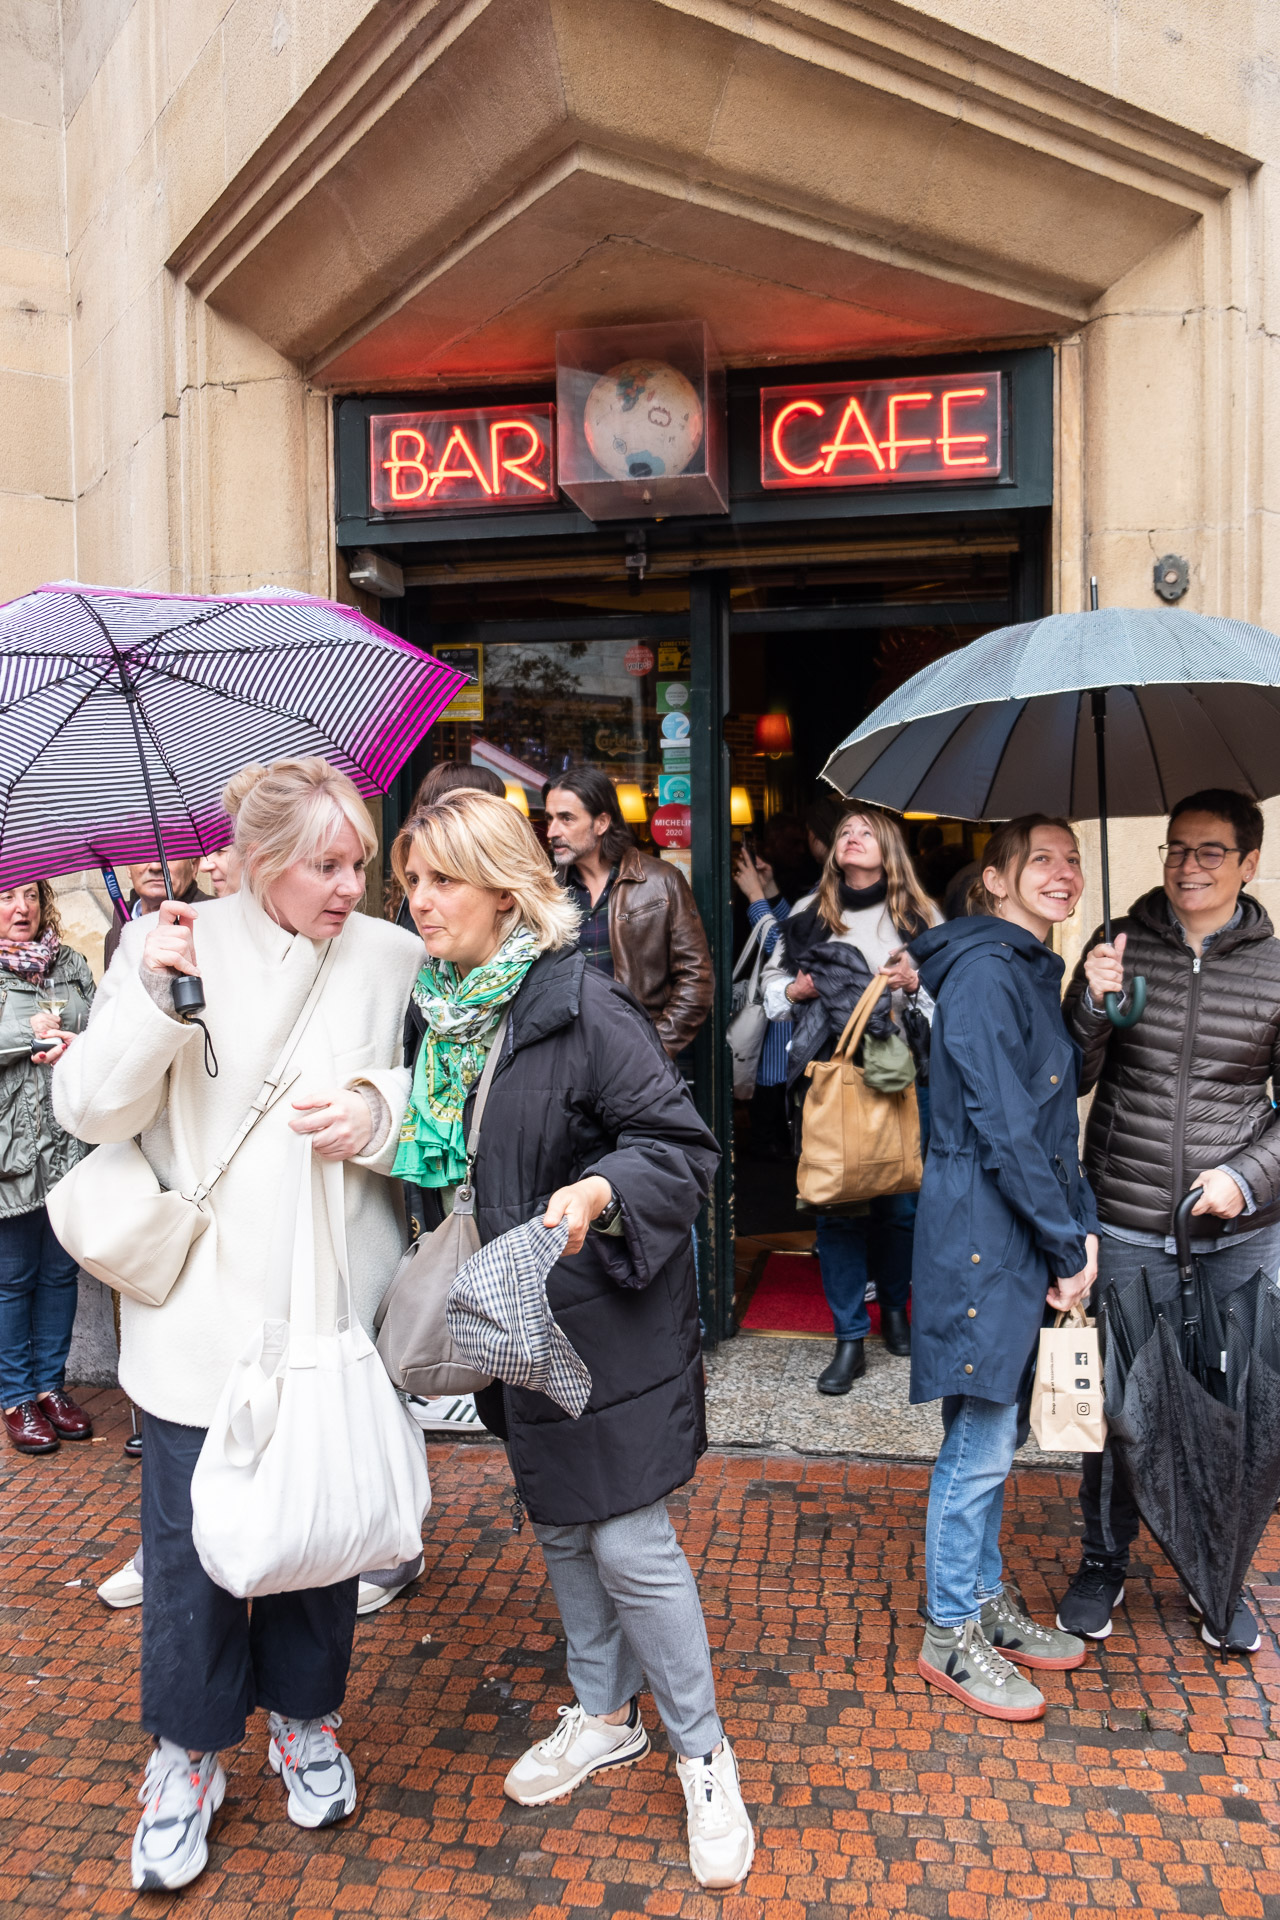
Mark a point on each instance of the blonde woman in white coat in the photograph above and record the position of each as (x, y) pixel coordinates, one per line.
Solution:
(304, 837)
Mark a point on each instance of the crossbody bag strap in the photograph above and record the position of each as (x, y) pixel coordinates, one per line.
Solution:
(271, 1085)
(466, 1193)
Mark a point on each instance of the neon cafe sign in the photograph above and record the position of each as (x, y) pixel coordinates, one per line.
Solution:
(858, 433)
(475, 459)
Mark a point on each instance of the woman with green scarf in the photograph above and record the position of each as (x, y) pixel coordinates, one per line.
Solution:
(589, 1123)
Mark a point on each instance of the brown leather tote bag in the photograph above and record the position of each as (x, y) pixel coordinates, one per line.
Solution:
(856, 1143)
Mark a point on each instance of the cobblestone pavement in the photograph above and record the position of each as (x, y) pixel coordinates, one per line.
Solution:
(1151, 1786)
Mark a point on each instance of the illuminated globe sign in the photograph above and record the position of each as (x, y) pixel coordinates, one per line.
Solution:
(882, 433)
(643, 420)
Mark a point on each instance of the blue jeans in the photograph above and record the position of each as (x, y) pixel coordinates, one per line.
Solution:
(962, 1561)
(38, 1296)
(875, 1244)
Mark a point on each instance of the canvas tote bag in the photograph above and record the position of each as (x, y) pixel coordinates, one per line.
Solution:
(113, 1216)
(749, 1023)
(312, 1470)
(1066, 1398)
(414, 1340)
(856, 1143)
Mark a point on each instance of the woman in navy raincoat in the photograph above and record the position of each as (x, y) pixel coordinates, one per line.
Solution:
(1005, 1222)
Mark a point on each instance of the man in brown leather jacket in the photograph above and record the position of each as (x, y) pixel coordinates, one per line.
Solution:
(639, 920)
(1181, 1100)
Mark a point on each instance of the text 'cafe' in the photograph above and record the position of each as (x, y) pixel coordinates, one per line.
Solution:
(699, 582)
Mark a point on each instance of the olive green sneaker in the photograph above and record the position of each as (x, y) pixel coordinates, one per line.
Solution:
(1009, 1628)
(960, 1660)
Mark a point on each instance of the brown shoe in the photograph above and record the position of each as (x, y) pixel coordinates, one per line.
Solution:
(28, 1429)
(64, 1416)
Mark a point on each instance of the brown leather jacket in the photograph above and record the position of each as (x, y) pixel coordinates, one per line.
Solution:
(660, 951)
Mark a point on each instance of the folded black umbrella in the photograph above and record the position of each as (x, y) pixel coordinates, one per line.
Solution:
(1193, 1407)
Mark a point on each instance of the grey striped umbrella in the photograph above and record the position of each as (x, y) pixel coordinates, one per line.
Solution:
(1005, 725)
(1083, 714)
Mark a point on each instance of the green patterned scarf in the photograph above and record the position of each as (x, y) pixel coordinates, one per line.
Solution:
(461, 1016)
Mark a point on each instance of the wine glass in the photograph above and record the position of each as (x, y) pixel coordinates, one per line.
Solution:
(51, 997)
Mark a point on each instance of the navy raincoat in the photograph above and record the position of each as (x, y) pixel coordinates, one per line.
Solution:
(1004, 1207)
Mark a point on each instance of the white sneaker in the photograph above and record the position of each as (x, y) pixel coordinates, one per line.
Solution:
(580, 1746)
(372, 1594)
(447, 1413)
(123, 1589)
(320, 1783)
(721, 1842)
(179, 1798)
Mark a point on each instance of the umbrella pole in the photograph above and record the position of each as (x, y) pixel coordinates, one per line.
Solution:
(188, 991)
(1138, 987)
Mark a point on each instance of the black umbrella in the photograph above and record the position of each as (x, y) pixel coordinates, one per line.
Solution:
(1193, 1406)
(1076, 714)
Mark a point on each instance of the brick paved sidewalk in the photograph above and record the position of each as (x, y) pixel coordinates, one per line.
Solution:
(1151, 1786)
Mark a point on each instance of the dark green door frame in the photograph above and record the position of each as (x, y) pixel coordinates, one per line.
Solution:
(713, 1087)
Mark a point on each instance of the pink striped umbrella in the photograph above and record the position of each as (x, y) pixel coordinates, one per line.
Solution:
(125, 714)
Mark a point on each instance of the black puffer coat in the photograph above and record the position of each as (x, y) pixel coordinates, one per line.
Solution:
(584, 1086)
(1186, 1088)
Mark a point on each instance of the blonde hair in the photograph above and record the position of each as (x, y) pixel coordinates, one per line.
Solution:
(238, 786)
(1008, 851)
(289, 812)
(910, 908)
(486, 842)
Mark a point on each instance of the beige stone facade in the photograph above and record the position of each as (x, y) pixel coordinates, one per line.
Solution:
(214, 214)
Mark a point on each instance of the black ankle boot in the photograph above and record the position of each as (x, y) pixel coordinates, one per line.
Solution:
(848, 1363)
(896, 1329)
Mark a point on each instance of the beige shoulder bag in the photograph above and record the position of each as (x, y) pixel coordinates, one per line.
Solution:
(414, 1340)
(856, 1143)
(113, 1216)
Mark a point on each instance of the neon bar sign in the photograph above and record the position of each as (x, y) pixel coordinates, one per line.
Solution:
(878, 433)
(478, 458)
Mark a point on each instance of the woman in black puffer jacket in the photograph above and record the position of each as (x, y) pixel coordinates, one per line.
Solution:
(588, 1122)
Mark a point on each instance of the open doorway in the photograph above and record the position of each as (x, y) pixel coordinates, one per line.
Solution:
(795, 691)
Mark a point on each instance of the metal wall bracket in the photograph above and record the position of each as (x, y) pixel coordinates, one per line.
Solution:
(1171, 576)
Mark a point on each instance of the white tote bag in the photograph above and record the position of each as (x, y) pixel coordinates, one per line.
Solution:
(312, 1470)
(748, 1023)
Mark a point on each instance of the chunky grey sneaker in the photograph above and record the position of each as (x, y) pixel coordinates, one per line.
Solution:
(320, 1784)
(961, 1660)
(721, 1842)
(581, 1745)
(1010, 1629)
(179, 1798)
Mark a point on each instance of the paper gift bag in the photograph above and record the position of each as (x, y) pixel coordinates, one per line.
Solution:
(1066, 1400)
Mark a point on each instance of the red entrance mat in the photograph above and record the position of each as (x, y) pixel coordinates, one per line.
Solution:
(789, 1299)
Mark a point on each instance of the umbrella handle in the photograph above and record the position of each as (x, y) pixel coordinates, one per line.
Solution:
(188, 995)
(1186, 1265)
(1137, 1004)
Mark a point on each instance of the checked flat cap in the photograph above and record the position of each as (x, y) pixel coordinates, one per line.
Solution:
(499, 1316)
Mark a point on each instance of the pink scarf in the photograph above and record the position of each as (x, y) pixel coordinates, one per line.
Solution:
(30, 959)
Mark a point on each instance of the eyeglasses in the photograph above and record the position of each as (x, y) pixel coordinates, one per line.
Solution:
(1210, 856)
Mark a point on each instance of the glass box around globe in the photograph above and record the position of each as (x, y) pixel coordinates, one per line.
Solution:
(641, 420)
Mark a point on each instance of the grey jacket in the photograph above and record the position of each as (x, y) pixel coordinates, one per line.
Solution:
(35, 1152)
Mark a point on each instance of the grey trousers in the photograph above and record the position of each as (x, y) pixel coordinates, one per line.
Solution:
(631, 1612)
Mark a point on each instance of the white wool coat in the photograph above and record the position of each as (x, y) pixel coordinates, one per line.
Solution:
(138, 1070)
